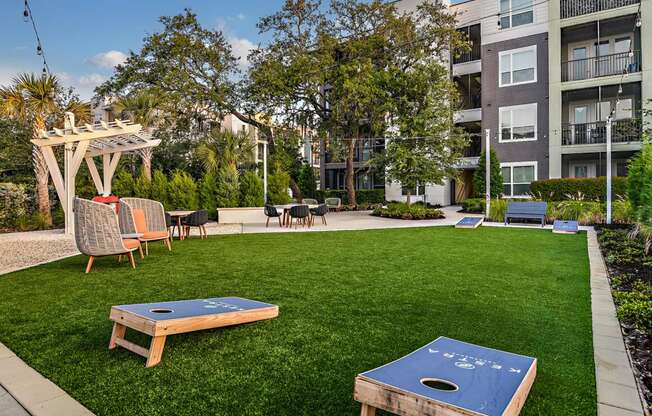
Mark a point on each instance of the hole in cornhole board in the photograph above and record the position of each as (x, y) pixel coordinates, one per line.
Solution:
(439, 384)
(161, 310)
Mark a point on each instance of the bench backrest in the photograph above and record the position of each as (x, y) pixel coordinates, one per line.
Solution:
(529, 208)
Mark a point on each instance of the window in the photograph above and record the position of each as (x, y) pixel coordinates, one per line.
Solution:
(518, 66)
(517, 123)
(515, 13)
(517, 177)
(418, 190)
(581, 171)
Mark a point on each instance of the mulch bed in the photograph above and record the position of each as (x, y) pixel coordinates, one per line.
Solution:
(625, 256)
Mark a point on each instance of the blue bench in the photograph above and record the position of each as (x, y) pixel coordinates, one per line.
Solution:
(527, 210)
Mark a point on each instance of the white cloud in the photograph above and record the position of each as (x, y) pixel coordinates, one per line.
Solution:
(108, 60)
(240, 16)
(91, 80)
(241, 48)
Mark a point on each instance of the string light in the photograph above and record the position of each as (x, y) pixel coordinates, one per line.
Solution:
(29, 16)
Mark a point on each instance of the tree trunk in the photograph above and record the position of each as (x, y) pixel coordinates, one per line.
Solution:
(350, 172)
(41, 174)
(296, 191)
(146, 156)
(407, 199)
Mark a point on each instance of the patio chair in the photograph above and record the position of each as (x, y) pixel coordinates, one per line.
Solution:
(97, 232)
(333, 204)
(300, 213)
(320, 211)
(310, 201)
(196, 219)
(272, 212)
(146, 217)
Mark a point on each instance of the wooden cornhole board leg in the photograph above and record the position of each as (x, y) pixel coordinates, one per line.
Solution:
(153, 354)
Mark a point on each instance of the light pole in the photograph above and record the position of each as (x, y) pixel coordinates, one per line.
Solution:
(265, 170)
(487, 169)
(608, 219)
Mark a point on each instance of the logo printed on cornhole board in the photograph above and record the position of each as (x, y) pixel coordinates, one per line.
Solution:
(484, 381)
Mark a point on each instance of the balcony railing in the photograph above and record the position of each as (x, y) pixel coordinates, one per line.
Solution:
(471, 55)
(601, 66)
(622, 131)
(572, 8)
(474, 148)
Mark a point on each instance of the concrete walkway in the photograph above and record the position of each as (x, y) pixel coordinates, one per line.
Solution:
(9, 406)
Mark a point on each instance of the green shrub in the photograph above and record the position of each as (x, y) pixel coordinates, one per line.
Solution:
(228, 188)
(143, 187)
(497, 209)
(589, 189)
(401, 210)
(252, 192)
(635, 306)
(182, 191)
(277, 187)
(363, 196)
(13, 204)
(475, 205)
(307, 181)
(123, 184)
(159, 188)
(496, 176)
(208, 194)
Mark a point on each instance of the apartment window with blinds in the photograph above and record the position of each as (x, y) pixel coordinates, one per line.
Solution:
(518, 66)
(517, 177)
(515, 13)
(517, 123)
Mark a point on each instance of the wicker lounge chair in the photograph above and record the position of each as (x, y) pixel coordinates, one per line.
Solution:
(146, 217)
(334, 204)
(196, 219)
(310, 201)
(97, 232)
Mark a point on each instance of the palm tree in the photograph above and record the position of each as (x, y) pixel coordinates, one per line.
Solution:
(31, 100)
(142, 108)
(224, 149)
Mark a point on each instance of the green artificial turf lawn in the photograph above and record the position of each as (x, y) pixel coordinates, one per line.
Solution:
(349, 301)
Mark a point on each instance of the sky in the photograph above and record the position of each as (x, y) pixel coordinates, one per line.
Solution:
(84, 39)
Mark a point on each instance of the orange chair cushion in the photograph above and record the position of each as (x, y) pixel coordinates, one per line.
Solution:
(154, 235)
(139, 220)
(130, 243)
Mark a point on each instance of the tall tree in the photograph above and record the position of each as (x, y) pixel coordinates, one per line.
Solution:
(31, 100)
(360, 69)
(222, 149)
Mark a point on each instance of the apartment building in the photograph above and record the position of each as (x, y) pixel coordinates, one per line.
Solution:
(543, 77)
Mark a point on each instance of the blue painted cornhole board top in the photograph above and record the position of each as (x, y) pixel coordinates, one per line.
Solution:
(565, 226)
(469, 221)
(487, 378)
(195, 307)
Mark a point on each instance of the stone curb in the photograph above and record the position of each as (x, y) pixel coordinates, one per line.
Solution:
(618, 394)
(35, 393)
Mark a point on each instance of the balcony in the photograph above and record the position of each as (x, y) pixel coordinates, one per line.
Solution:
(622, 131)
(472, 34)
(601, 66)
(572, 8)
(474, 148)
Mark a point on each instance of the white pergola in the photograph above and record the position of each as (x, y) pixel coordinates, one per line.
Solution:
(83, 143)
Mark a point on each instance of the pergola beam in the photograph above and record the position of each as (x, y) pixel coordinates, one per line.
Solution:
(97, 180)
(124, 148)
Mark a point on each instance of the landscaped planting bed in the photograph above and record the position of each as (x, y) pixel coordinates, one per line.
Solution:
(630, 272)
(349, 301)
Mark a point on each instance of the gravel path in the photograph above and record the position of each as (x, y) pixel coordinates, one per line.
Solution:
(21, 250)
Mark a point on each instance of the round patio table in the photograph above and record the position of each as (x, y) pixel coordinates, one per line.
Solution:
(286, 211)
(179, 215)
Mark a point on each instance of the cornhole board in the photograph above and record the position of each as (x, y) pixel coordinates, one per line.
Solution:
(161, 319)
(564, 227)
(469, 222)
(467, 380)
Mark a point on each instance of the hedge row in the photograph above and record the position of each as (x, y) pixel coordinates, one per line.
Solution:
(363, 196)
(591, 189)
